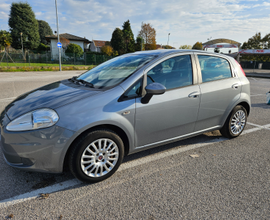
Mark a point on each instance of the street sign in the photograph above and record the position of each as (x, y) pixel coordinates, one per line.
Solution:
(59, 44)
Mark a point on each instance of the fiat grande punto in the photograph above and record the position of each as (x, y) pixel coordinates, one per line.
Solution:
(128, 104)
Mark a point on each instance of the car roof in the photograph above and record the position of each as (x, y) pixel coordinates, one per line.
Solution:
(164, 52)
(169, 51)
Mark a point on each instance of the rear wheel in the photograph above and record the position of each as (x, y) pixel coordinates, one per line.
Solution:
(96, 156)
(235, 123)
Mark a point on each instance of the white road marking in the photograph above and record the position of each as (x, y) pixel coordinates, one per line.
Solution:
(257, 95)
(34, 194)
(70, 183)
(260, 126)
(170, 152)
(8, 99)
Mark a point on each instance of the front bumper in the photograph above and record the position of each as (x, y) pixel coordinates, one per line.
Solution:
(41, 150)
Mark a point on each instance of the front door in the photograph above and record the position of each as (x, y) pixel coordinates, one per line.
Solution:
(172, 114)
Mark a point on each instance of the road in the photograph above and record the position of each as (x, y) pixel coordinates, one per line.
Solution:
(228, 180)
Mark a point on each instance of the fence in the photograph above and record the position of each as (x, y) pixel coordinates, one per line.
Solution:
(255, 65)
(17, 58)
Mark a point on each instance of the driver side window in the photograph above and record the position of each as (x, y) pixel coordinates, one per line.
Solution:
(172, 73)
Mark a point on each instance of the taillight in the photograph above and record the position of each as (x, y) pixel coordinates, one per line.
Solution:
(241, 68)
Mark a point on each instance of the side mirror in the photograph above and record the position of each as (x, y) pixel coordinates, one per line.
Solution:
(153, 89)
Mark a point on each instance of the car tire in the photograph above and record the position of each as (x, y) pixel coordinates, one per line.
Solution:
(235, 123)
(96, 156)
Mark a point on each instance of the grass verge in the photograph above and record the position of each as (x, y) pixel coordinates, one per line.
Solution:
(42, 67)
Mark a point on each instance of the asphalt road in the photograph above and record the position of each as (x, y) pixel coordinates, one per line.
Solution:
(228, 180)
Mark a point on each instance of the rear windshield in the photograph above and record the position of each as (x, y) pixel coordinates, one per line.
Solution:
(114, 71)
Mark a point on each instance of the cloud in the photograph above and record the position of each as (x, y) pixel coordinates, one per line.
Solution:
(4, 11)
(187, 21)
(3, 15)
(38, 13)
(264, 4)
(4, 6)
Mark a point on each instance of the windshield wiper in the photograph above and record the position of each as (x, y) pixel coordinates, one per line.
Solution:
(73, 79)
(85, 83)
(81, 82)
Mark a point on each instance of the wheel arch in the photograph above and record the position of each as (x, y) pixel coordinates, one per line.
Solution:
(246, 106)
(122, 134)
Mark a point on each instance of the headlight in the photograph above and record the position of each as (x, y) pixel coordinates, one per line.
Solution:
(41, 118)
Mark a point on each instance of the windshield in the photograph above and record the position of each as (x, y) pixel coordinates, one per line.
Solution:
(114, 71)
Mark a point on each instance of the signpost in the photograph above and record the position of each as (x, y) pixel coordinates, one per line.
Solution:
(59, 45)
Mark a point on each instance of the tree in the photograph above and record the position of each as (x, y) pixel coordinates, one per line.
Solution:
(65, 42)
(255, 42)
(128, 37)
(167, 47)
(106, 49)
(244, 46)
(186, 47)
(117, 41)
(148, 34)
(197, 46)
(22, 20)
(266, 41)
(42, 48)
(5, 39)
(139, 44)
(44, 29)
(74, 49)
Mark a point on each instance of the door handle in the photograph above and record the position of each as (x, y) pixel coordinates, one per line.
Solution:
(194, 95)
(235, 86)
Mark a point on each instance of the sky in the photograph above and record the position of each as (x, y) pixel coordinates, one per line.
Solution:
(187, 21)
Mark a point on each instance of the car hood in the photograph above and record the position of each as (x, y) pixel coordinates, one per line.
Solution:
(50, 96)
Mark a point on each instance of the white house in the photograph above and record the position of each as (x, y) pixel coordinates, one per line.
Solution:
(65, 39)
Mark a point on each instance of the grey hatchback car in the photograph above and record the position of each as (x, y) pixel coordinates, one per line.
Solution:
(127, 104)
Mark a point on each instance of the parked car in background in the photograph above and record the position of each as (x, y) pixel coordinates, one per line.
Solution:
(127, 104)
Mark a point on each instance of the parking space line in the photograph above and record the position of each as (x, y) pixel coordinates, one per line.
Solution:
(257, 95)
(260, 126)
(170, 152)
(73, 182)
(7, 99)
(34, 194)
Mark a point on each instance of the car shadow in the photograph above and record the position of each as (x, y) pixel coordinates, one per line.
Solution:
(18, 182)
(181, 143)
(260, 105)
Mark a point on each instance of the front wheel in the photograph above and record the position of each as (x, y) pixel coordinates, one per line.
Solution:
(235, 123)
(96, 156)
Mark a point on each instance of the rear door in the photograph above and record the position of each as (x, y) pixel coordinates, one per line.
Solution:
(220, 90)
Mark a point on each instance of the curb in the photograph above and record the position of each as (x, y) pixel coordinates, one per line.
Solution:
(266, 76)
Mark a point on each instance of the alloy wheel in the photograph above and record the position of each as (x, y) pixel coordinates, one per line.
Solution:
(238, 122)
(99, 157)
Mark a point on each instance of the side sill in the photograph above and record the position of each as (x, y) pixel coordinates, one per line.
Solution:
(177, 138)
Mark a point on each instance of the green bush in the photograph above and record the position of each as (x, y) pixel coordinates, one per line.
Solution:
(74, 49)
(42, 48)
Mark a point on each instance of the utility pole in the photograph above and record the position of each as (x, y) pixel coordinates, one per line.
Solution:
(168, 39)
(22, 44)
(59, 49)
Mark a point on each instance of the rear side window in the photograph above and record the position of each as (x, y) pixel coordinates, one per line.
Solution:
(214, 68)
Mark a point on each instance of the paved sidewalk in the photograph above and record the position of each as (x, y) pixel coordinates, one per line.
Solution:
(260, 73)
